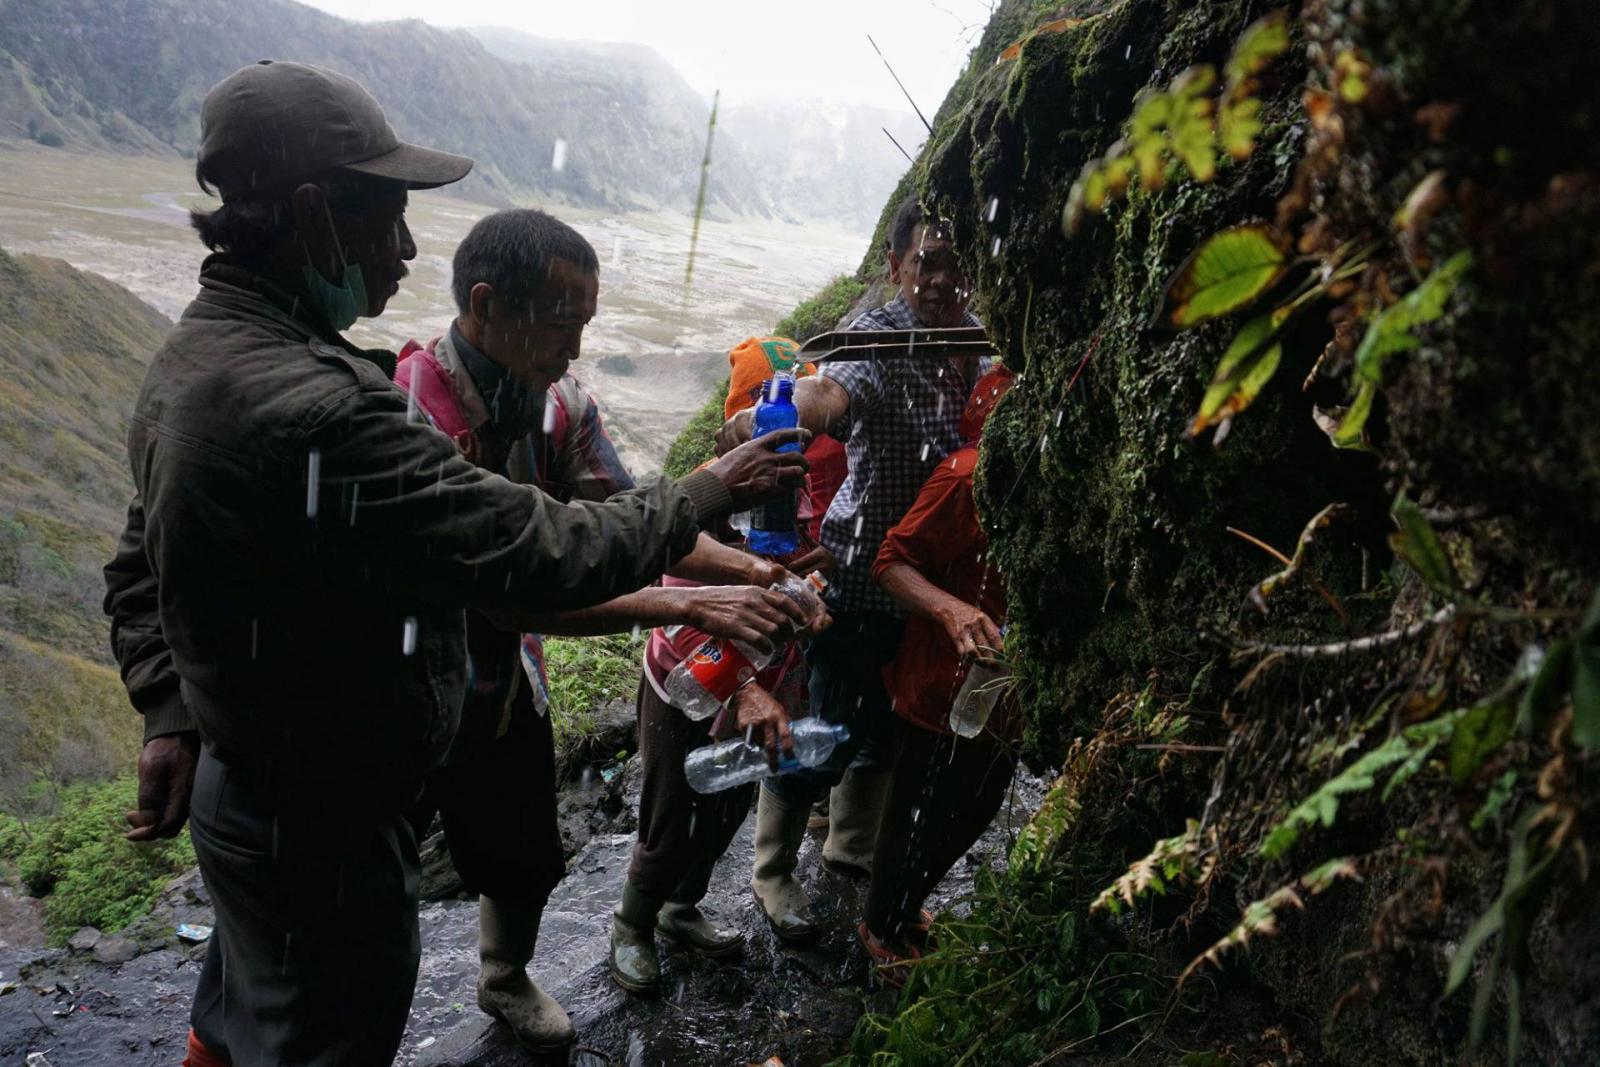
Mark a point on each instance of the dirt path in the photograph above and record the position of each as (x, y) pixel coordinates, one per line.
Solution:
(797, 1004)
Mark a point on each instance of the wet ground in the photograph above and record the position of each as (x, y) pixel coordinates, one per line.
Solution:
(651, 356)
(799, 1005)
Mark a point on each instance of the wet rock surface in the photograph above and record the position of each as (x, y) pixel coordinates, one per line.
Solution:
(799, 1004)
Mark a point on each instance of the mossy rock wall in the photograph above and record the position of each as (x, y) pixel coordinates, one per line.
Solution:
(1117, 531)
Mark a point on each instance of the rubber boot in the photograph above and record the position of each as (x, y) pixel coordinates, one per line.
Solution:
(854, 811)
(683, 921)
(633, 963)
(780, 828)
(506, 936)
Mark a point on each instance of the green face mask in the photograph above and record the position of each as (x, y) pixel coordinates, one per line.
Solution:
(340, 304)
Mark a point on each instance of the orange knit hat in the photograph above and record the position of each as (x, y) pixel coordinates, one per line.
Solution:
(753, 361)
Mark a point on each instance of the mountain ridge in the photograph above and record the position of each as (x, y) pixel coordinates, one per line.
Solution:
(74, 73)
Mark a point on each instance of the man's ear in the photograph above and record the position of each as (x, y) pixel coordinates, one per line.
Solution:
(894, 267)
(480, 303)
(309, 205)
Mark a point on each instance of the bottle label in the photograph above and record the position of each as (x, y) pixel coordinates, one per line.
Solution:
(777, 517)
(719, 668)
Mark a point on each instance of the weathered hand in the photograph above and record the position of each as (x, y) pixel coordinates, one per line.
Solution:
(166, 779)
(735, 432)
(756, 472)
(818, 559)
(747, 613)
(972, 631)
(763, 718)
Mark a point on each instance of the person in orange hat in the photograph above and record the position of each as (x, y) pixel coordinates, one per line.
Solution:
(750, 363)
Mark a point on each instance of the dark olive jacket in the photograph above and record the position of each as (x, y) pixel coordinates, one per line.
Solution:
(300, 549)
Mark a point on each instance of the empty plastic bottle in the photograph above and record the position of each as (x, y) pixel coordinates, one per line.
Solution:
(978, 696)
(713, 768)
(773, 526)
(710, 675)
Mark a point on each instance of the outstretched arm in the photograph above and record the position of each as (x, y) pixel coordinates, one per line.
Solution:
(822, 403)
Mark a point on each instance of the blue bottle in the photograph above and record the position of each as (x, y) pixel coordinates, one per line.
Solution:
(773, 529)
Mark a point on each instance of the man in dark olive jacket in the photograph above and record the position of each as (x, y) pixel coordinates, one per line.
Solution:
(290, 586)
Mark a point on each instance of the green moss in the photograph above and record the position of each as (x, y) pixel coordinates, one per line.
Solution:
(823, 311)
(76, 858)
(586, 673)
(695, 443)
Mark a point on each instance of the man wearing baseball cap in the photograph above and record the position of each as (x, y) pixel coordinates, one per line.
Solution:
(287, 597)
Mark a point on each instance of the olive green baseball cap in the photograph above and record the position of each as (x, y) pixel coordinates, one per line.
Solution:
(273, 123)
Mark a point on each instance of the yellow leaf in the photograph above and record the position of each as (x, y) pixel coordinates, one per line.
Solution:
(1262, 41)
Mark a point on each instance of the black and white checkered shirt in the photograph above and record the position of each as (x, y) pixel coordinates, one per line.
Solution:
(902, 422)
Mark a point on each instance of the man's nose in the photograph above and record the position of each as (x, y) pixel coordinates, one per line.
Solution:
(408, 246)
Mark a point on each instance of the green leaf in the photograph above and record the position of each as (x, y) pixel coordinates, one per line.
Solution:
(1417, 544)
(1483, 729)
(1322, 806)
(1351, 429)
(1227, 272)
(1548, 688)
(1238, 125)
(1495, 801)
(1586, 679)
(1390, 330)
(1189, 123)
(1245, 369)
(1261, 42)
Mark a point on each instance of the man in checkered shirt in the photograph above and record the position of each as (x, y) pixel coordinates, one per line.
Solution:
(898, 419)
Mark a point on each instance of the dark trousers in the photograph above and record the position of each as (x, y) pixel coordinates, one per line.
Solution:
(846, 686)
(944, 793)
(682, 833)
(314, 955)
(497, 801)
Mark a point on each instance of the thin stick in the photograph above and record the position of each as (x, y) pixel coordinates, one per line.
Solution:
(897, 81)
(892, 141)
(1360, 644)
(1183, 748)
(700, 197)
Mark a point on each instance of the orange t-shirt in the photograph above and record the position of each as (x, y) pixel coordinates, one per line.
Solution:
(941, 537)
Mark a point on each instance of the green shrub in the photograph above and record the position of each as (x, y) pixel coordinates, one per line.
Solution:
(695, 442)
(77, 860)
(823, 311)
(586, 672)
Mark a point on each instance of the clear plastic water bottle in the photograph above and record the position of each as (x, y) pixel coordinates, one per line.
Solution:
(713, 768)
(710, 675)
(978, 696)
(773, 526)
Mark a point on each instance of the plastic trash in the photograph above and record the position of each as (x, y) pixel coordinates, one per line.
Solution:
(713, 768)
(193, 933)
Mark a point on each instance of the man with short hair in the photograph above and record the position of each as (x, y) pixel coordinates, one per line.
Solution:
(497, 382)
(898, 418)
(290, 584)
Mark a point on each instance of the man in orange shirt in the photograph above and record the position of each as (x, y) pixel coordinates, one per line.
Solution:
(945, 789)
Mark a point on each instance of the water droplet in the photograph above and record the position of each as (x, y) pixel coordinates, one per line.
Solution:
(860, 520)
(313, 481)
(549, 421)
(558, 156)
(994, 247)
(408, 636)
(925, 447)
(1058, 418)
(992, 209)
(1127, 53)
(355, 501)
(616, 251)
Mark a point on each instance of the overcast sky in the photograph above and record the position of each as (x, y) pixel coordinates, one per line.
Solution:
(750, 49)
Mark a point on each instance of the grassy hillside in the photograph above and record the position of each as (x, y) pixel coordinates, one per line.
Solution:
(73, 348)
